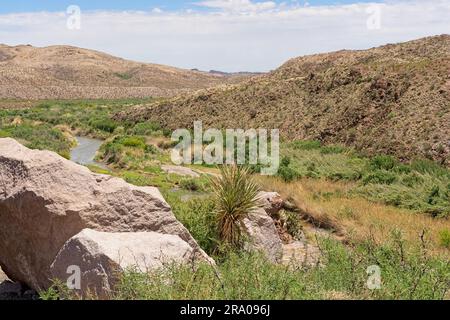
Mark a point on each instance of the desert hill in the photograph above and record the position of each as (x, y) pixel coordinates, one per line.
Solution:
(394, 99)
(65, 72)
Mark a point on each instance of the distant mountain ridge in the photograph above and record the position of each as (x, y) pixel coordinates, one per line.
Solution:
(394, 99)
(65, 72)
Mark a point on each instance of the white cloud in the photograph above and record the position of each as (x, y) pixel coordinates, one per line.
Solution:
(229, 40)
(238, 5)
(157, 10)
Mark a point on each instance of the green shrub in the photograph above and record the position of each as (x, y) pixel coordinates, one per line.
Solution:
(111, 152)
(198, 216)
(346, 176)
(167, 132)
(383, 162)
(145, 128)
(444, 238)
(434, 195)
(285, 172)
(379, 177)
(133, 141)
(306, 144)
(402, 169)
(104, 124)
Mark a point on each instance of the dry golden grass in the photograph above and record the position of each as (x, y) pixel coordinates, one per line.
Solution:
(357, 218)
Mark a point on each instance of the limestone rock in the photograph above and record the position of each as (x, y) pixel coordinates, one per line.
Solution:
(101, 257)
(45, 200)
(181, 171)
(260, 227)
(263, 235)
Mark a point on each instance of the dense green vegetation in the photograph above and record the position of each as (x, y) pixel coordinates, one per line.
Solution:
(37, 136)
(420, 185)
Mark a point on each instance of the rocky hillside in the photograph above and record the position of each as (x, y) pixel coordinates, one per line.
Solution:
(64, 72)
(394, 99)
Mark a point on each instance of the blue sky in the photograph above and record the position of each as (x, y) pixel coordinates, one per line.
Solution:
(145, 5)
(228, 35)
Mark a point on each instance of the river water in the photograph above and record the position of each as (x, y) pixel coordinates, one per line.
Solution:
(84, 152)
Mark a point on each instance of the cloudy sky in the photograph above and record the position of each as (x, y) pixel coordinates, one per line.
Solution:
(228, 35)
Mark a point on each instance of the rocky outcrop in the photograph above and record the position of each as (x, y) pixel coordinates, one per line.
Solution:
(265, 234)
(260, 228)
(45, 200)
(97, 258)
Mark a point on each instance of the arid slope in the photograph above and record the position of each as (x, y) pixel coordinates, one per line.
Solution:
(64, 72)
(394, 99)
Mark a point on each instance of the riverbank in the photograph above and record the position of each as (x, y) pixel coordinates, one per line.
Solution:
(85, 152)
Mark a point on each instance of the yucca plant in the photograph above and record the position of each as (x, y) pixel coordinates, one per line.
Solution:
(236, 195)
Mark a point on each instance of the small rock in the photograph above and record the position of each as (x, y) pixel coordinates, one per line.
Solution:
(181, 171)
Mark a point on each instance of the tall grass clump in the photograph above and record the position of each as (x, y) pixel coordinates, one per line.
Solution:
(235, 196)
(197, 215)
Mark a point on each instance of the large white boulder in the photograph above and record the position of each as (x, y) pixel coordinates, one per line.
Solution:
(91, 262)
(45, 200)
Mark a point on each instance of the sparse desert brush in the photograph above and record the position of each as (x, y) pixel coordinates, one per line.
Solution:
(357, 217)
(235, 196)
